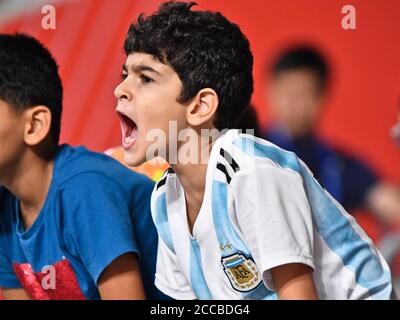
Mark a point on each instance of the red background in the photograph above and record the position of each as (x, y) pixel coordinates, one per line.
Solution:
(362, 105)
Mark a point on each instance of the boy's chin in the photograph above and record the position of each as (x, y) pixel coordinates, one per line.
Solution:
(133, 160)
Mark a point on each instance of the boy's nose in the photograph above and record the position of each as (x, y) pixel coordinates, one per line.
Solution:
(121, 93)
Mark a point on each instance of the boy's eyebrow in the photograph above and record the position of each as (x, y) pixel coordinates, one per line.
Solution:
(140, 67)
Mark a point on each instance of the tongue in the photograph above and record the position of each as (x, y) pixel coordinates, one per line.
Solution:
(130, 128)
(131, 132)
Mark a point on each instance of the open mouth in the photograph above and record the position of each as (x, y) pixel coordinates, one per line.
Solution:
(128, 129)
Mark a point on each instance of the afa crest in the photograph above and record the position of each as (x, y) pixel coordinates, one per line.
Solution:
(242, 272)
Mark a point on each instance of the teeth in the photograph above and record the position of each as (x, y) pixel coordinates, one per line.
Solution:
(133, 133)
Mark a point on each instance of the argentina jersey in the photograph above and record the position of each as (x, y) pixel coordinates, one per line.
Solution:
(262, 208)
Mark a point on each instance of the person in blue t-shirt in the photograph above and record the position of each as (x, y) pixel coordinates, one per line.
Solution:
(74, 224)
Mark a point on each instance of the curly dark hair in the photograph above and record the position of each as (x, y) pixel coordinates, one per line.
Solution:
(29, 77)
(204, 48)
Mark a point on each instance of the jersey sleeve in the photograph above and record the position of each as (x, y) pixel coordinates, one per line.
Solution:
(169, 276)
(97, 218)
(274, 216)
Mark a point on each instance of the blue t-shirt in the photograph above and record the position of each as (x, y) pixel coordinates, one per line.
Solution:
(95, 211)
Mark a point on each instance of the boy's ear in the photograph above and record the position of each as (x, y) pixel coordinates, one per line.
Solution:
(37, 124)
(202, 107)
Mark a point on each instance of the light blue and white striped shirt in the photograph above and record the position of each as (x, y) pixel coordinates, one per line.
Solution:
(262, 208)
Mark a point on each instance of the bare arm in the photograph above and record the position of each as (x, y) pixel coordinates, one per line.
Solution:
(15, 294)
(294, 282)
(122, 280)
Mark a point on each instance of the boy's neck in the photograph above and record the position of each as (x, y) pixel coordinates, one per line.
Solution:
(192, 177)
(193, 180)
(29, 182)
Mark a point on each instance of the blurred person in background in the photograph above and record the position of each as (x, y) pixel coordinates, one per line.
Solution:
(300, 78)
(296, 97)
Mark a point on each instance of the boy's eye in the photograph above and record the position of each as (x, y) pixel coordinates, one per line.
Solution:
(124, 76)
(145, 79)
